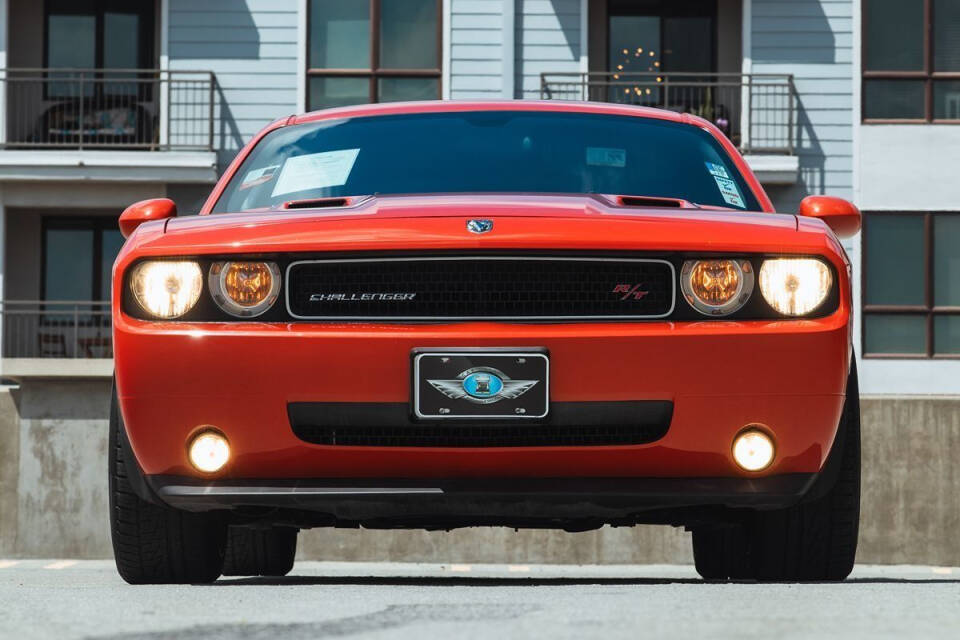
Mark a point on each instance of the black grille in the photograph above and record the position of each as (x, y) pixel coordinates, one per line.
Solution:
(571, 424)
(481, 288)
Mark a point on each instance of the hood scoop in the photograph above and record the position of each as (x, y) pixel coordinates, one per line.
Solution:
(647, 201)
(317, 203)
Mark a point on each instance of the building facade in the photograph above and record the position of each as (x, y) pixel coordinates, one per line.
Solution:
(103, 103)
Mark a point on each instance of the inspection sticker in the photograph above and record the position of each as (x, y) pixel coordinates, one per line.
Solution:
(717, 170)
(315, 171)
(604, 157)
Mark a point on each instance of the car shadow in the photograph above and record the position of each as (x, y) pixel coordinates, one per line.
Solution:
(462, 581)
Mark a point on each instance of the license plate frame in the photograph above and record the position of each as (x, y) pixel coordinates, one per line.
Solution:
(497, 378)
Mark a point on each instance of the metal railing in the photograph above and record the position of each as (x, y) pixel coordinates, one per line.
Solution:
(146, 109)
(756, 111)
(53, 329)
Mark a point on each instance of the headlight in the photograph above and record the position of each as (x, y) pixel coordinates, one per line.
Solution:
(244, 289)
(716, 287)
(795, 286)
(166, 289)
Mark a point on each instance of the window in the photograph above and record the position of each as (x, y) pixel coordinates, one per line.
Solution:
(372, 51)
(97, 34)
(911, 288)
(911, 61)
(490, 152)
(78, 255)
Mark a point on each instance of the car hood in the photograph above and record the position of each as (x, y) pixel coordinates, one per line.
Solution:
(436, 222)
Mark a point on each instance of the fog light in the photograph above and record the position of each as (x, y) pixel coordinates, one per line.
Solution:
(209, 451)
(753, 450)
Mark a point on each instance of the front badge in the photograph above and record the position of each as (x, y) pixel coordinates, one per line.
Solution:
(496, 383)
(479, 225)
(483, 385)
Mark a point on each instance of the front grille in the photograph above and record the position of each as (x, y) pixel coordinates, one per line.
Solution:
(570, 424)
(488, 287)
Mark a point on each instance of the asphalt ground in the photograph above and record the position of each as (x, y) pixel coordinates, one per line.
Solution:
(87, 599)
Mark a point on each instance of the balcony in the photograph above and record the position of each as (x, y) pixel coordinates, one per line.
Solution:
(758, 112)
(45, 339)
(105, 124)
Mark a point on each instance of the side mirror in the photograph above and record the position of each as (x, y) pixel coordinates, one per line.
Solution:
(145, 211)
(841, 216)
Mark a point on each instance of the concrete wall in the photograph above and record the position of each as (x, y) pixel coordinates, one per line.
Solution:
(53, 493)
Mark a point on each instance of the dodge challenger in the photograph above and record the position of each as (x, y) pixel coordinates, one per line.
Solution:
(452, 314)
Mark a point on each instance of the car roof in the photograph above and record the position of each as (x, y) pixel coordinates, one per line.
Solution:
(446, 106)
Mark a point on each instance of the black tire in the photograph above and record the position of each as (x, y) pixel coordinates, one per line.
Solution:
(260, 552)
(815, 540)
(153, 544)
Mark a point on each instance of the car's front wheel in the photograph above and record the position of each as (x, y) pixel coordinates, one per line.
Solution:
(815, 540)
(153, 544)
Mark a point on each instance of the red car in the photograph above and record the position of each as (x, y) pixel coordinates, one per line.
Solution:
(524, 314)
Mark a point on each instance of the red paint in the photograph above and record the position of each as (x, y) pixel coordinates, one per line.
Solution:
(145, 211)
(788, 375)
(841, 216)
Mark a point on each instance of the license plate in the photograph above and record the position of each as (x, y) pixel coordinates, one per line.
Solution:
(482, 383)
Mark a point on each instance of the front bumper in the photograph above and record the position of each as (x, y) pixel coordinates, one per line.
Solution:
(581, 503)
(173, 378)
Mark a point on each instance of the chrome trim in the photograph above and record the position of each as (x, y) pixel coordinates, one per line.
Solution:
(272, 492)
(673, 291)
(478, 351)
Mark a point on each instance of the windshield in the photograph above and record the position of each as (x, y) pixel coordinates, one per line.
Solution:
(487, 151)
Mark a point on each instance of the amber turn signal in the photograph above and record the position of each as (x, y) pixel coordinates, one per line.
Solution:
(716, 287)
(244, 289)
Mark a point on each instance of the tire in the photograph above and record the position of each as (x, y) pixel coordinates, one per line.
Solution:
(815, 540)
(260, 552)
(154, 544)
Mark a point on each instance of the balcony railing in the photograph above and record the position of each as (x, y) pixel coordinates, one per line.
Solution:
(756, 111)
(45, 329)
(134, 109)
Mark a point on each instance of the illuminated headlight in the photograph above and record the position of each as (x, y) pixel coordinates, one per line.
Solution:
(795, 286)
(166, 289)
(244, 289)
(716, 287)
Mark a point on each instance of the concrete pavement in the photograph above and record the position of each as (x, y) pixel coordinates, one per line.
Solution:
(86, 599)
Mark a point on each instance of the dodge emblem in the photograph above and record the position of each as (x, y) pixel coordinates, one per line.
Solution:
(479, 225)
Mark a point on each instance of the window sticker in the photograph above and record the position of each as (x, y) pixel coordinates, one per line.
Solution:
(315, 171)
(717, 170)
(730, 192)
(604, 157)
(258, 176)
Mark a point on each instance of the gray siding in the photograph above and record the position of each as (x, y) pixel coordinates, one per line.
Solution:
(548, 39)
(813, 40)
(476, 49)
(251, 46)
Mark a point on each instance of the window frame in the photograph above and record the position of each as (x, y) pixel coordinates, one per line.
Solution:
(929, 309)
(374, 72)
(928, 75)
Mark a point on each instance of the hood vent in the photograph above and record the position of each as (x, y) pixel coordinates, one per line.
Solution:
(644, 201)
(317, 203)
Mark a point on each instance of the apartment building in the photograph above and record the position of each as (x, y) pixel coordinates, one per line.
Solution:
(105, 102)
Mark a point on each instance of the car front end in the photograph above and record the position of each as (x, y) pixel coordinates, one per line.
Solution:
(557, 360)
